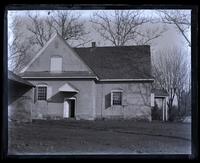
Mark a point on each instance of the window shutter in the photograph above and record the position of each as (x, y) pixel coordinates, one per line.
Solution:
(56, 64)
(152, 99)
(108, 101)
(35, 94)
(124, 99)
(49, 92)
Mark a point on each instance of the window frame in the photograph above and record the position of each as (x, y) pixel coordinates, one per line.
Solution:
(56, 56)
(41, 85)
(116, 91)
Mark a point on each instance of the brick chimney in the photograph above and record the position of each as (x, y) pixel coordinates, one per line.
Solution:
(93, 44)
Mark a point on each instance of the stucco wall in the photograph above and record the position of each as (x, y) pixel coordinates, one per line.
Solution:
(54, 106)
(20, 108)
(70, 61)
(136, 98)
(92, 101)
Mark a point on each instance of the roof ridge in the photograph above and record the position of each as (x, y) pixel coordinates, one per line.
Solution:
(111, 46)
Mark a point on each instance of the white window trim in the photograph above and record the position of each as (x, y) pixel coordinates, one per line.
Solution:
(112, 96)
(41, 85)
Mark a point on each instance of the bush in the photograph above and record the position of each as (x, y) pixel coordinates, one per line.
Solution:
(156, 113)
(174, 114)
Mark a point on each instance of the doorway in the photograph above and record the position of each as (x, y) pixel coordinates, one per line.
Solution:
(69, 108)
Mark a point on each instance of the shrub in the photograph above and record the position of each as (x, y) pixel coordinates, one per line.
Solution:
(156, 113)
(174, 114)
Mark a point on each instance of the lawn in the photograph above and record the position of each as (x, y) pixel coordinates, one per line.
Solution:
(99, 137)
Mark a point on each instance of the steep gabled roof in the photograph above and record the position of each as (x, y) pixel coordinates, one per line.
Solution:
(107, 63)
(39, 53)
(123, 62)
(48, 43)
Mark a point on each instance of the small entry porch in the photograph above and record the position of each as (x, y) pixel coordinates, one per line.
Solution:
(159, 107)
(69, 103)
(69, 108)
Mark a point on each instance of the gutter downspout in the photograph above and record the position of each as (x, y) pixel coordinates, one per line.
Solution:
(102, 101)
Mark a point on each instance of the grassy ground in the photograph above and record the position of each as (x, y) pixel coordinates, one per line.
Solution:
(98, 137)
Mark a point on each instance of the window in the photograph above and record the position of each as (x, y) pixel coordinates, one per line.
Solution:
(56, 64)
(116, 97)
(42, 92)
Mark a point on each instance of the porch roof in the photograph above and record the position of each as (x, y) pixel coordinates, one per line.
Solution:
(160, 93)
(17, 79)
(68, 88)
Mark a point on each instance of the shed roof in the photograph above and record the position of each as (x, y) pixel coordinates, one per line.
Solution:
(160, 93)
(18, 79)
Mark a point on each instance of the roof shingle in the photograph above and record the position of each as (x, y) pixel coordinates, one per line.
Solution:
(123, 62)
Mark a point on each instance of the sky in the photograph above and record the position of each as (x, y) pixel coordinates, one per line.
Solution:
(168, 39)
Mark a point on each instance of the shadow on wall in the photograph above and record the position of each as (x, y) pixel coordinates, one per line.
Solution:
(59, 97)
(15, 91)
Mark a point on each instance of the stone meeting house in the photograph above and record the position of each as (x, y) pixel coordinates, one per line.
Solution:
(90, 82)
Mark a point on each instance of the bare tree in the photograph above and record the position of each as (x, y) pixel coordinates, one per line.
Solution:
(17, 46)
(171, 72)
(30, 33)
(180, 18)
(123, 27)
(67, 23)
(41, 28)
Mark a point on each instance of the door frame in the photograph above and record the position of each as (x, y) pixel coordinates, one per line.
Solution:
(70, 98)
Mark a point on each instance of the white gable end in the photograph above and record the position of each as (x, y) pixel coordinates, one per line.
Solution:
(56, 47)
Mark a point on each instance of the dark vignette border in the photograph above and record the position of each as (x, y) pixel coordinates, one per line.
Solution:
(194, 71)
